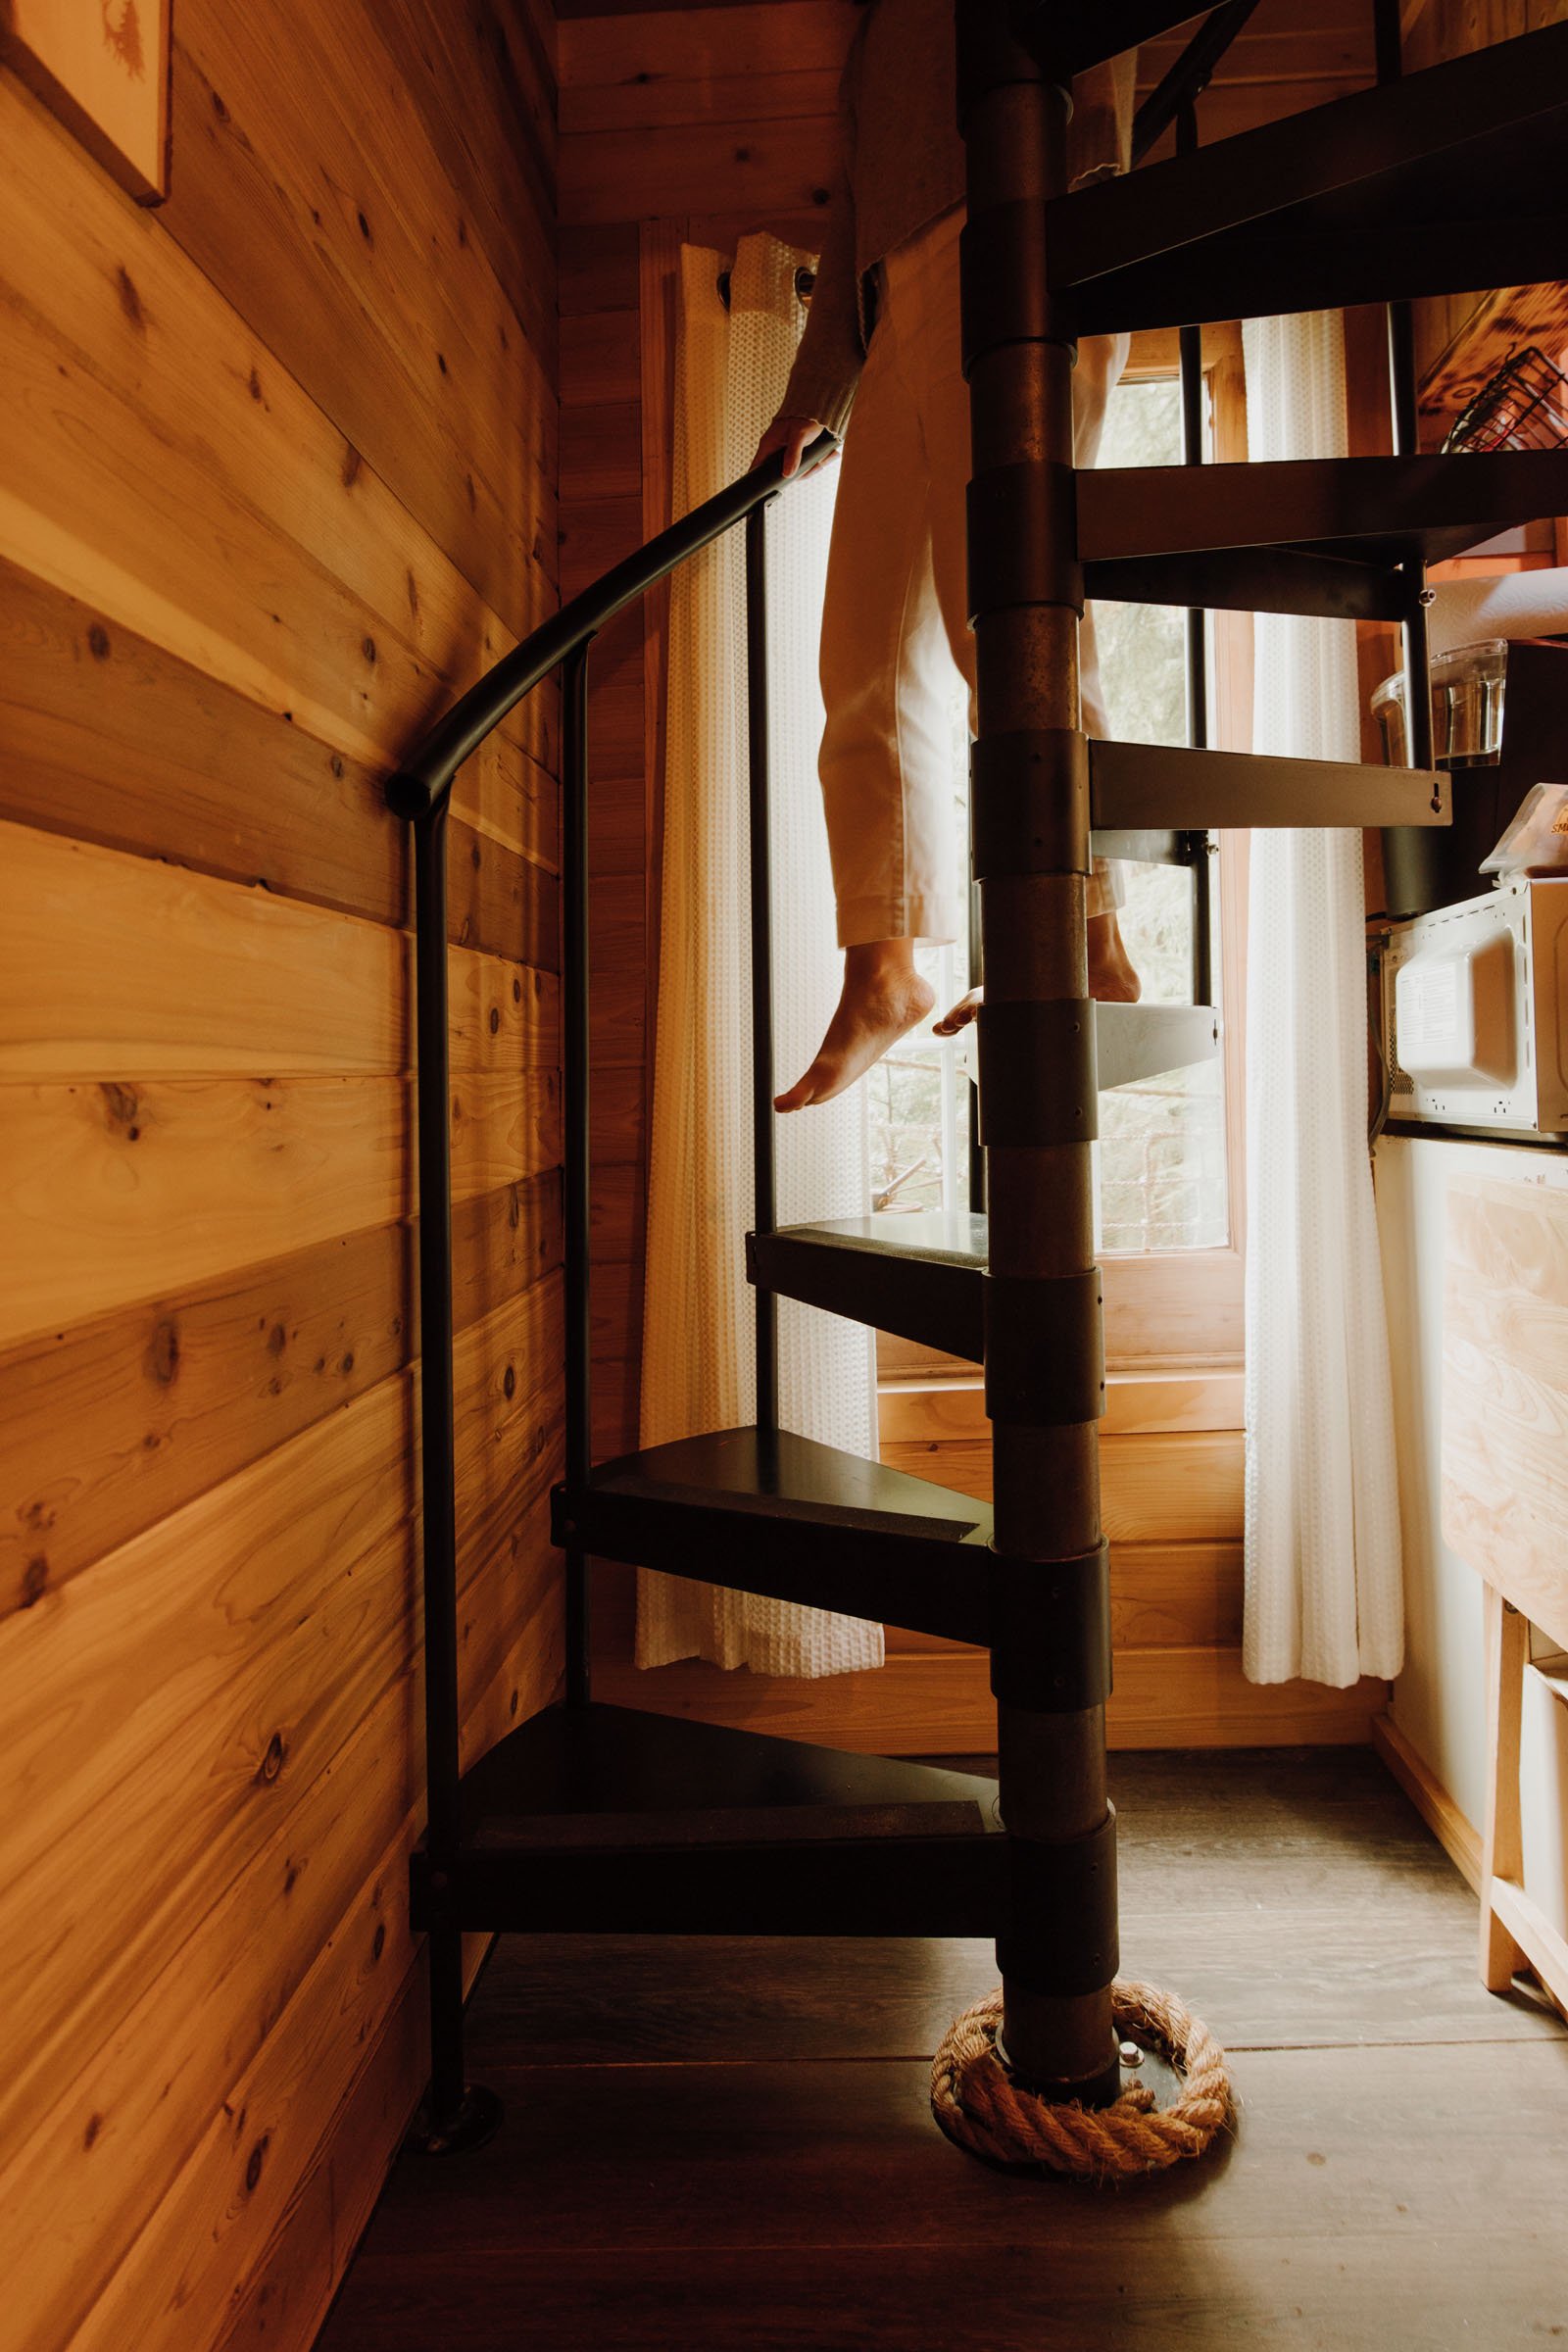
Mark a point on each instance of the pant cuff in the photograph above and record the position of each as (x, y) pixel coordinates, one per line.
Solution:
(862, 920)
(1107, 887)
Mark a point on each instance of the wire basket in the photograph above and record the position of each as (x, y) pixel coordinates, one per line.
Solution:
(1523, 405)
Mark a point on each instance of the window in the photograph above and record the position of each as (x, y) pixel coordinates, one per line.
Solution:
(1169, 1150)
(1162, 1176)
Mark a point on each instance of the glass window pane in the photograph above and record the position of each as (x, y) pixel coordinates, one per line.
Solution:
(1163, 1176)
(1161, 1156)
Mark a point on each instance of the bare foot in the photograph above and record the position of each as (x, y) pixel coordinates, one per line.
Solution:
(1111, 977)
(883, 997)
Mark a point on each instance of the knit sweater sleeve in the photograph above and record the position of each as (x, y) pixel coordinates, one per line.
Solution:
(827, 366)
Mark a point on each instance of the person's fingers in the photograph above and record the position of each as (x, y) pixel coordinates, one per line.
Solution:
(805, 430)
(791, 434)
(774, 439)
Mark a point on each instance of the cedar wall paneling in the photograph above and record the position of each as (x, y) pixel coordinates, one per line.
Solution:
(279, 475)
(700, 123)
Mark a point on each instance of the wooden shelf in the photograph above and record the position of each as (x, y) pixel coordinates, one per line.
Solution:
(1461, 341)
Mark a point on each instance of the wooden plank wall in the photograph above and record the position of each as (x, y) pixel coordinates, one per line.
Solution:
(699, 124)
(280, 468)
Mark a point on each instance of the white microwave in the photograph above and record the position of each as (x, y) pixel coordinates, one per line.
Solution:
(1475, 1010)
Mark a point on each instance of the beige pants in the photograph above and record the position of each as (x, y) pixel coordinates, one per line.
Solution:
(895, 623)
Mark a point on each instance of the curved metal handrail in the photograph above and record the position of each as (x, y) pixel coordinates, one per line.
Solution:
(421, 791)
(423, 780)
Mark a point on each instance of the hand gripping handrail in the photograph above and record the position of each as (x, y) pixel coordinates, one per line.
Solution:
(421, 791)
(424, 778)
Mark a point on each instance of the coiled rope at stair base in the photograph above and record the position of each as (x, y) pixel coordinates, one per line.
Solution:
(980, 2106)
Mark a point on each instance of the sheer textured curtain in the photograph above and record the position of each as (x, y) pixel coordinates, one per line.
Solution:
(1323, 1583)
(698, 1368)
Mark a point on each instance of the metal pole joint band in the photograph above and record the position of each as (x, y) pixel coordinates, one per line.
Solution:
(1006, 297)
(1037, 1079)
(1029, 802)
(1059, 1935)
(1023, 537)
(1044, 1359)
(1051, 1632)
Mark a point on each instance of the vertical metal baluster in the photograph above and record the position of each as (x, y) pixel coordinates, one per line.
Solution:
(761, 910)
(977, 974)
(1407, 444)
(576, 1142)
(454, 2114)
(1190, 347)
(436, 1437)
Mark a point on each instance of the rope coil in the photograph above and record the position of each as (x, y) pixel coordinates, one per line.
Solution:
(981, 2108)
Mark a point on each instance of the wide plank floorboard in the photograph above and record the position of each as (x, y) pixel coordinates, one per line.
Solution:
(724, 2142)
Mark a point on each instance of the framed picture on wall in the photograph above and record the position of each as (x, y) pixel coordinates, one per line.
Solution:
(102, 66)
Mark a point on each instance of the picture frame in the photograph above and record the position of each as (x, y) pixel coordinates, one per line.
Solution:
(103, 68)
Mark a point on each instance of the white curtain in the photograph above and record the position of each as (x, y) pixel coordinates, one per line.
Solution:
(698, 1358)
(1323, 1586)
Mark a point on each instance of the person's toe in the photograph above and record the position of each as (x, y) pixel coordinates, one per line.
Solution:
(958, 1018)
(803, 1092)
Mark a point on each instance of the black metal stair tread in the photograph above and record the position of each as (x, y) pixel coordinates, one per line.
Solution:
(1132, 785)
(1461, 147)
(1308, 261)
(601, 1819)
(1257, 579)
(940, 1237)
(787, 1517)
(1321, 152)
(916, 1276)
(1151, 845)
(599, 1773)
(746, 1470)
(1144, 1041)
(1374, 510)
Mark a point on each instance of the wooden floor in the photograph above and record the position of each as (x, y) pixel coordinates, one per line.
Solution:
(728, 2145)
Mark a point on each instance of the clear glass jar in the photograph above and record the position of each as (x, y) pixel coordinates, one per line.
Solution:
(1467, 689)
